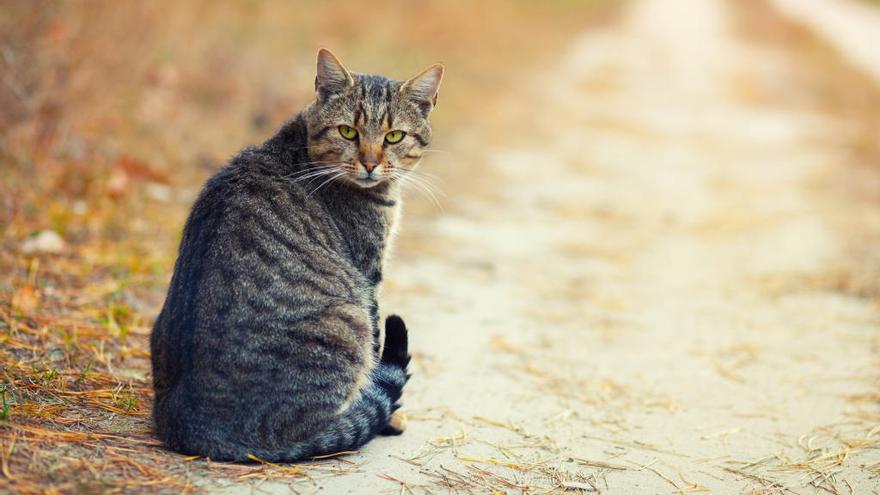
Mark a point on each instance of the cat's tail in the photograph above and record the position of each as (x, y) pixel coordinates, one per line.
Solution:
(368, 415)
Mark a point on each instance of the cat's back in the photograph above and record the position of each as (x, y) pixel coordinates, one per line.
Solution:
(257, 257)
(255, 247)
(250, 204)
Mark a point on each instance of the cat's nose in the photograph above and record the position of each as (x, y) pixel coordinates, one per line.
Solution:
(369, 166)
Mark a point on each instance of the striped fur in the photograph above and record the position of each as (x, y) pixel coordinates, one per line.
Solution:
(268, 341)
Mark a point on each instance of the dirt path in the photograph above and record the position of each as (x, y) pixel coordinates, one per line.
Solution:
(849, 25)
(634, 312)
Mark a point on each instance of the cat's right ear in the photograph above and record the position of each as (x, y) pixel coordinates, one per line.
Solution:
(332, 77)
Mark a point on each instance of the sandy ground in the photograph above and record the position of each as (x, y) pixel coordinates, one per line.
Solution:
(632, 311)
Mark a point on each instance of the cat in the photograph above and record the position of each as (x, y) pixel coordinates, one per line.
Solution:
(267, 345)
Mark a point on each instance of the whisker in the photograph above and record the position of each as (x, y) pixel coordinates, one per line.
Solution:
(420, 173)
(323, 165)
(425, 179)
(429, 178)
(420, 185)
(314, 173)
(314, 170)
(307, 181)
(331, 179)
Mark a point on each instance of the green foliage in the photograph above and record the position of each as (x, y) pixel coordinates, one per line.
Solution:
(4, 412)
(125, 399)
(117, 320)
(85, 374)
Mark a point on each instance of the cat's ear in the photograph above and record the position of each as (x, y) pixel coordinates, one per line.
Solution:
(423, 88)
(332, 76)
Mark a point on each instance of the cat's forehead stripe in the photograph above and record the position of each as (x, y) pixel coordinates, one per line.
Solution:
(360, 115)
(376, 93)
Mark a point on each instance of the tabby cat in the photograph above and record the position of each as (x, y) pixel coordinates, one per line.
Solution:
(268, 342)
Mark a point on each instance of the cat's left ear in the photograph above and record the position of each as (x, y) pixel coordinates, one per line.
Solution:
(424, 87)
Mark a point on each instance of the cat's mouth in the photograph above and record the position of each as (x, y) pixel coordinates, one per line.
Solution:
(366, 182)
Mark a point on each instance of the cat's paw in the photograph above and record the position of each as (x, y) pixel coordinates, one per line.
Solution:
(396, 424)
(395, 351)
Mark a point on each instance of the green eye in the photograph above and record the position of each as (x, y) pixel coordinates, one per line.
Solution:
(348, 132)
(394, 137)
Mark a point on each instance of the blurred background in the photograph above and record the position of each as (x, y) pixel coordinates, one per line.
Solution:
(107, 102)
(112, 115)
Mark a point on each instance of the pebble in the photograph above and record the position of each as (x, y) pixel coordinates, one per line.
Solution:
(46, 242)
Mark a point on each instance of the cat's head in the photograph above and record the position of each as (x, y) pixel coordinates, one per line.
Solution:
(369, 129)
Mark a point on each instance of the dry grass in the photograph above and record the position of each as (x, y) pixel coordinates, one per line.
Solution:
(113, 114)
(822, 82)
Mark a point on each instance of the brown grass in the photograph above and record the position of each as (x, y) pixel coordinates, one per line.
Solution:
(822, 82)
(113, 115)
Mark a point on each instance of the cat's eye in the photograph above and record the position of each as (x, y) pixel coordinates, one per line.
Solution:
(394, 137)
(348, 132)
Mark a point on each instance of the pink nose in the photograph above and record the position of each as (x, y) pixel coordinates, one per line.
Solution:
(369, 166)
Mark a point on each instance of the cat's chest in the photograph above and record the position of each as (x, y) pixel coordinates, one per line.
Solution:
(367, 233)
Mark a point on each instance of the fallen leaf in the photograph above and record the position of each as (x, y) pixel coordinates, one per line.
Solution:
(25, 299)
